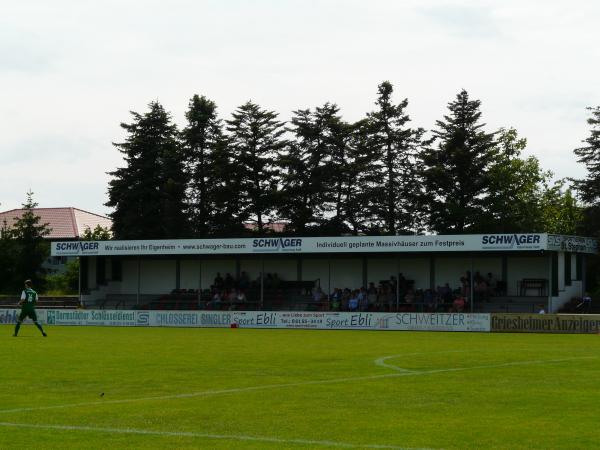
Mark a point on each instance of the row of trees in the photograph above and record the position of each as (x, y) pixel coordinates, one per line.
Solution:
(322, 175)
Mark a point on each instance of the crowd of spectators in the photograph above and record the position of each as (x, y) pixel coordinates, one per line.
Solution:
(400, 294)
(388, 295)
(230, 291)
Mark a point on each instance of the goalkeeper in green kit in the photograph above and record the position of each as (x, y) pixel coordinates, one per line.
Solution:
(27, 303)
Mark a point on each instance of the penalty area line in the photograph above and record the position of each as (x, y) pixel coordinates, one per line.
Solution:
(232, 437)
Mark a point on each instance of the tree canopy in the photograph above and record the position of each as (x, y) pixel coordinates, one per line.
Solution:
(322, 175)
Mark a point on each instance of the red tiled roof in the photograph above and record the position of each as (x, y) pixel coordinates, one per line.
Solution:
(65, 223)
(277, 227)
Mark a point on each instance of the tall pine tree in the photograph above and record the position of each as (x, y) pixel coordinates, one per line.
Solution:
(255, 143)
(148, 194)
(589, 188)
(456, 178)
(200, 138)
(32, 248)
(339, 173)
(306, 170)
(228, 216)
(393, 173)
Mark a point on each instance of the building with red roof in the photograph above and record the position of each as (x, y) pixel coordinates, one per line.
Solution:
(64, 223)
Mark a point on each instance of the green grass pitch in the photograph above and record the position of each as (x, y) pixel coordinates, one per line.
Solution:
(297, 389)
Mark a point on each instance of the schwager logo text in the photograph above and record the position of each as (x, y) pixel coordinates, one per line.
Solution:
(277, 244)
(77, 246)
(510, 239)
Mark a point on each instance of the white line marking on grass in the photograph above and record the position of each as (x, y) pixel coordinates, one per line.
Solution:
(287, 385)
(497, 366)
(232, 437)
(381, 361)
(203, 393)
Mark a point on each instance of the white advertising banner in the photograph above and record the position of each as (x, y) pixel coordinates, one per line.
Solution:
(363, 320)
(262, 319)
(274, 245)
(101, 317)
(575, 244)
(10, 316)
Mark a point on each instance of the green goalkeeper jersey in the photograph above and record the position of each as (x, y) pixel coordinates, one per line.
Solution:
(30, 299)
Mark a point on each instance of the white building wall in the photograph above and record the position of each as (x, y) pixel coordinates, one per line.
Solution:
(286, 269)
(565, 296)
(128, 284)
(346, 273)
(210, 267)
(561, 271)
(417, 269)
(189, 275)
(379, 269)
(157, 276)
(313, 269)
(91, 274)
(520, 267)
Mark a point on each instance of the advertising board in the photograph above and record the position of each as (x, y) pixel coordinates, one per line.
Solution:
(262, 319)
(545, 323)
(10, 316)
(303, 245)
(363, 321)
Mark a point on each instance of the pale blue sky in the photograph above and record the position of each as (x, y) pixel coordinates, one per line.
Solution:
(71, 70)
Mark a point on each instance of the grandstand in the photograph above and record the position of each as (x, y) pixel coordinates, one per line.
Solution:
(477, 273)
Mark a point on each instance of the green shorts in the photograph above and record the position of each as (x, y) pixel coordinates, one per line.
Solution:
(27, 313)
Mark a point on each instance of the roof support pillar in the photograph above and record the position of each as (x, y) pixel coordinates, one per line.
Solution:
(139, 281)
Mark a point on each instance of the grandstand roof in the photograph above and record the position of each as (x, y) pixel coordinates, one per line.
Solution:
(65, 223)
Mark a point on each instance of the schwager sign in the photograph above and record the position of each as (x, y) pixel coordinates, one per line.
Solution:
(262, 319)
(274, 245)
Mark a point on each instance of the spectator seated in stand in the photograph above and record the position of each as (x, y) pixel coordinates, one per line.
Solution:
(244, 281)
(458, 305)
(336, 299)
(229, 281)
(215, 300)
(480, 290)
(219, 282)
(353, 301)
(586, 303)
(231, 295)
(241, 297)
(429, 300)
(345, 298)
(317, 294)
(363, 301)
(372, 296)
